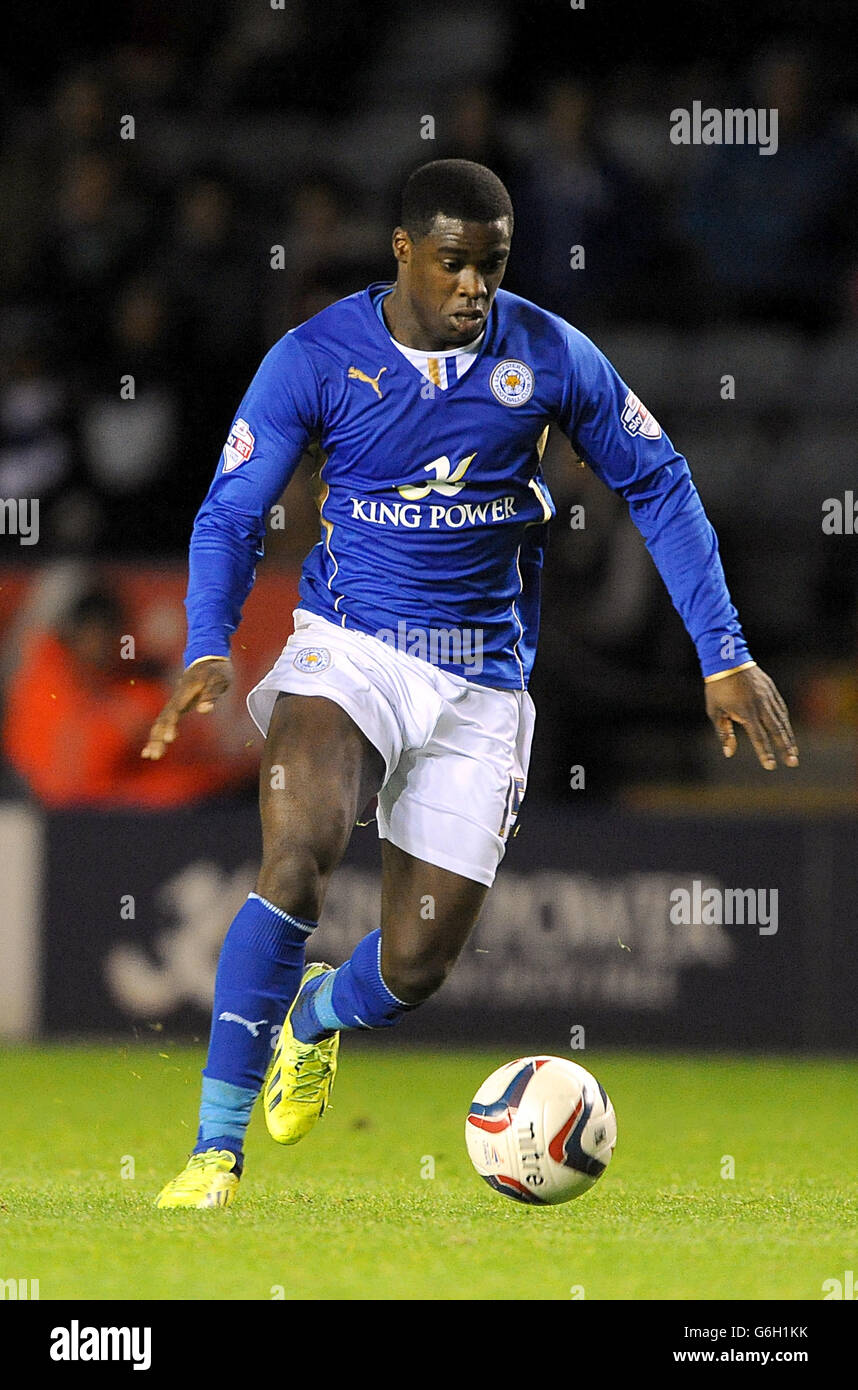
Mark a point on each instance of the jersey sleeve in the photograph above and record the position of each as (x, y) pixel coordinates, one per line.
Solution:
(614, 433)
(278, 417)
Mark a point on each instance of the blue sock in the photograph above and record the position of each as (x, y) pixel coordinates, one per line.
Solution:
(354, 996)
(260, 968)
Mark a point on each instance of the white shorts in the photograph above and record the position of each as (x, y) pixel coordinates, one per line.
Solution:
(456, 754)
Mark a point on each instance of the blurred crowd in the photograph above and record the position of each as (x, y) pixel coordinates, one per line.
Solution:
(76, 719)
(149, 263)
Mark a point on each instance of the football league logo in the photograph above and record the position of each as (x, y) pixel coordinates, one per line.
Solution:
(239, 446)
(637, 419)
(312, 659)
(512, 382)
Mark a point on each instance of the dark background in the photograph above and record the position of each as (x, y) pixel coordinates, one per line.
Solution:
(257, 127)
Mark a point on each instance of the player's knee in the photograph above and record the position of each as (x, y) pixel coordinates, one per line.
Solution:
(413, 976)
(294, 876)
(296, 867)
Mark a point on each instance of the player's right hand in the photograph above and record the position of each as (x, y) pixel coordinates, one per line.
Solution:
(197, 688)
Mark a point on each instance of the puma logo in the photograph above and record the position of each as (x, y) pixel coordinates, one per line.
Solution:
(355, 374)
(252, 1028)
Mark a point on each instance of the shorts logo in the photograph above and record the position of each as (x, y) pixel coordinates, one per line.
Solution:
(512, 382)
(239, 446)
(637, 419)
(312, 659)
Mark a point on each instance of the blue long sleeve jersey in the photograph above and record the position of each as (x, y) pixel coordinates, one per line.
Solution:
(434, 511)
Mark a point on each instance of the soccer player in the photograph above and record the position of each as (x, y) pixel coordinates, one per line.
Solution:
(406, 675)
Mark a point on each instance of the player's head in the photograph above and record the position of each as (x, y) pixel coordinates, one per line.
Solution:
(91, 628)
(452, 246)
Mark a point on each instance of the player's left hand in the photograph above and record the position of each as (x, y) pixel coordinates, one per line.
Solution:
(197, 688)
(752, 699)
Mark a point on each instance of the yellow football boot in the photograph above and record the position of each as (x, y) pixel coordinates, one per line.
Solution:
(207, 1180)
(299, 1083)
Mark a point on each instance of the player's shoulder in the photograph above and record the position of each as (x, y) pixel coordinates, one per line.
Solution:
(543, 330)
(342, 321)
(304, 353)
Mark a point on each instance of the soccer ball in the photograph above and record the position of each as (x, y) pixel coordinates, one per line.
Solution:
(541, 1130)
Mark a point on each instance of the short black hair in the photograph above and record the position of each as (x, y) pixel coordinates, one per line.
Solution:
(454, 188)
(96, 604)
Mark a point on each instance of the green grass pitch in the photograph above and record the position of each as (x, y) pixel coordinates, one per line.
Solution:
(349, 1214)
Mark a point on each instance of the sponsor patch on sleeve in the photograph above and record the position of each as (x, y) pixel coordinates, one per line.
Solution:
(239, 446)
(637, 419)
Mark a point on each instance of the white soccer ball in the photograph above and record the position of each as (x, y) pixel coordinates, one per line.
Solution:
(541, 1130)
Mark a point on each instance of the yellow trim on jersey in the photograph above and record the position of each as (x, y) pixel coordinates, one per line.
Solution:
(328, 527)
(547, 513)
(434, 370)
(518, 619)
(719, 675)
(206, 658)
